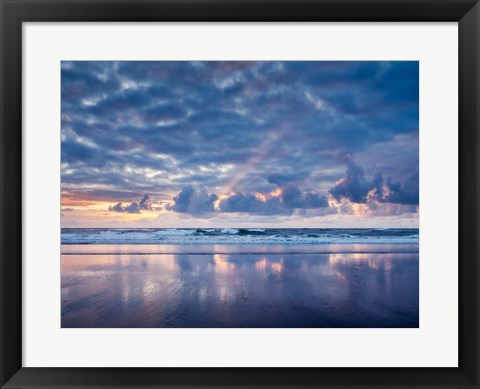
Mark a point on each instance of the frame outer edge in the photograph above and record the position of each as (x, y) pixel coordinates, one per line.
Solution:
(10, 194)
(3, 369)
(11, 207)
(469, 187)
(241, 10)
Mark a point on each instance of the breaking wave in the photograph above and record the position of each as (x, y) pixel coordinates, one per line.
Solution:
(178, 236)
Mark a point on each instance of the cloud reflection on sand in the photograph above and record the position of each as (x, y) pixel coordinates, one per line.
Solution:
(240, 290)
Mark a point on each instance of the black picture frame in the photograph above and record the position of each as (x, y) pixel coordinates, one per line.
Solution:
(15, 12)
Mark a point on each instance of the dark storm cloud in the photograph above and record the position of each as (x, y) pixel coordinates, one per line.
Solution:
(194, 201)
(292, 197)
(356, 188)
(403, 193)
(144, 204)
(162, 126)
(198, 202)
(248, 203)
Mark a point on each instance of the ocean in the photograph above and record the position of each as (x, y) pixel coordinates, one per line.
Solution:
(236, 236)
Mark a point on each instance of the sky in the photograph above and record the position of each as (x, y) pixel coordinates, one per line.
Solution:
(239, 144)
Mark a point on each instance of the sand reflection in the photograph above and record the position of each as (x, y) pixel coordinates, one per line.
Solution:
(240, 290)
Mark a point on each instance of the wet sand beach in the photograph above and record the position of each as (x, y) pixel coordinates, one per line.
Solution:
(239, 286)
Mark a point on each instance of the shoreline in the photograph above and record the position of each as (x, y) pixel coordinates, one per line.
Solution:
(278, 248)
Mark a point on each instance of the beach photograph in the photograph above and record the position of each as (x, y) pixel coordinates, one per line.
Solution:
(239, 194)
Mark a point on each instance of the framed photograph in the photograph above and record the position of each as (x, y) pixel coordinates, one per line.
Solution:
(241, 194)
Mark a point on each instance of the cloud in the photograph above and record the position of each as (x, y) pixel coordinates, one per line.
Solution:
(292, 197)
(406, 193)
(284, 179)
(194, 201)
(158, 126)
(144, 204)
(99, 194)
(284, 201)
(374, 208)
(392, 209)
(249, 203)
(356, 188)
